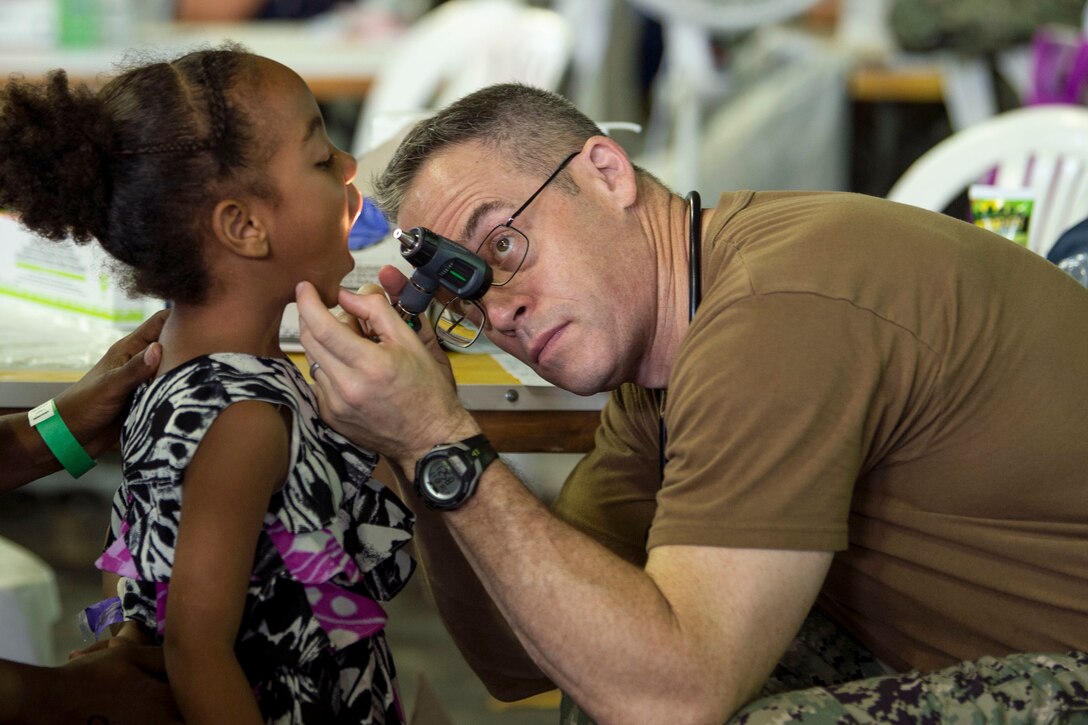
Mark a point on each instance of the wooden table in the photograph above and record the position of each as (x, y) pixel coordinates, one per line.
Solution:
(906, 84)
(334, 65)
(523, 418)
(517, 417)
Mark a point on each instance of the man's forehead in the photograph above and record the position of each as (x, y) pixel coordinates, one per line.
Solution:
(456, 191)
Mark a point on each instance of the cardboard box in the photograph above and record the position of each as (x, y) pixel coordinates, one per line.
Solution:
(66, 276)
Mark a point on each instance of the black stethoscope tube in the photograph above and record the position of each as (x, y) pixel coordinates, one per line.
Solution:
(695, 296)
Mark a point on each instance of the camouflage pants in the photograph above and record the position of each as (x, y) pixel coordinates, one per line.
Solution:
(828, 677)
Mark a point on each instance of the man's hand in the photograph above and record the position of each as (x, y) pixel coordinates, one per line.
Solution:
(394, 396)
(393, 280)
(94, 408)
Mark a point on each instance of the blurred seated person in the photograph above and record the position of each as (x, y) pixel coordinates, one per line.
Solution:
(368, 18)
(236, 10)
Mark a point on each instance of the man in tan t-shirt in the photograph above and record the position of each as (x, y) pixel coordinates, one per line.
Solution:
(875, 409)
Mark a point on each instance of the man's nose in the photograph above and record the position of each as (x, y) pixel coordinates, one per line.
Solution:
(504, 308)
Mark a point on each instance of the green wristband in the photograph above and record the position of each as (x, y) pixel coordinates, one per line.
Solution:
(47, 421)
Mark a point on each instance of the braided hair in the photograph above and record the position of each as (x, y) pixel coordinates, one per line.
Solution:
(137, 166)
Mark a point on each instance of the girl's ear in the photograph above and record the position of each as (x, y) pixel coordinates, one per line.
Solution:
(235, 226)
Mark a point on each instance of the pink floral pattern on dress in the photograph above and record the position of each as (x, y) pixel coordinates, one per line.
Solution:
(315, 558)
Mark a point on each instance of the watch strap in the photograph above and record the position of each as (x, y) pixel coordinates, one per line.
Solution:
(481, 449)
(51, 427)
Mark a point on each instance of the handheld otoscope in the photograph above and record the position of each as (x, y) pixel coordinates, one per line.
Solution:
(438, 262)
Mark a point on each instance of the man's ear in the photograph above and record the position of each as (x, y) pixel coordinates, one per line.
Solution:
(236, 227)
(609, 164)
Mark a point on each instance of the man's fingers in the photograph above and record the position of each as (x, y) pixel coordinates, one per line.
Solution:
(323, 336)
(393, 280)
(311, 311)
(322, 399)
(346, 318)
(375, 315)
(317, 323)
(368, 288)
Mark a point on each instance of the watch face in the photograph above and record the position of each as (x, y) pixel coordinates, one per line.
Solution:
(441, 479)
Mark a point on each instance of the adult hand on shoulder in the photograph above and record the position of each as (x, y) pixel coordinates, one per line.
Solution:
(94, 408)
(395, 396)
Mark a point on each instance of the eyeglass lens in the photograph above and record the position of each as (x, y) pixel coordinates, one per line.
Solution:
(460, 322)
(504, 250)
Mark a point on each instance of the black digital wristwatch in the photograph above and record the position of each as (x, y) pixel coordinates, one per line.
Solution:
(447, 476)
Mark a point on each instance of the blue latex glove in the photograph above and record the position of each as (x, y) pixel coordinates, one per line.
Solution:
(370, 228)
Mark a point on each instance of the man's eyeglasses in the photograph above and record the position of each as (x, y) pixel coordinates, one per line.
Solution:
(461, 322)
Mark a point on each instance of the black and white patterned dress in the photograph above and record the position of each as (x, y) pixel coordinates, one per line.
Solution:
(311, 640)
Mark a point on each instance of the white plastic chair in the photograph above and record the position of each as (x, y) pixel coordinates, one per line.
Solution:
(29, 606)
(1042, 148)
(591, 23)
(689, 80)
(459, 47)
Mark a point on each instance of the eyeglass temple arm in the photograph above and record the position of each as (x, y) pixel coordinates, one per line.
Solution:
(543, 186)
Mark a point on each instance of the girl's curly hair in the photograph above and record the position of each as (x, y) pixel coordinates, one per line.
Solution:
(138, 165)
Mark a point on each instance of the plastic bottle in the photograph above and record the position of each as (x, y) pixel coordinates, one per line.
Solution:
(79, 23)
(370, 228)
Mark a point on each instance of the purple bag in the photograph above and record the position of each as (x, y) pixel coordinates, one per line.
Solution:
(1059, 66)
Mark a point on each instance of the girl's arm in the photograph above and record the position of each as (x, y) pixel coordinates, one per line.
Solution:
(242, 459)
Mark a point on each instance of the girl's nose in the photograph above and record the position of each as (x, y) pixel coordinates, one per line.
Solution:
(351, 166)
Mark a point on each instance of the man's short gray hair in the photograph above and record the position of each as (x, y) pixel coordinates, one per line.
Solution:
(529, 129)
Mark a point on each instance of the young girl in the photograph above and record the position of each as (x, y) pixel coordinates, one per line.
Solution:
(247, 535)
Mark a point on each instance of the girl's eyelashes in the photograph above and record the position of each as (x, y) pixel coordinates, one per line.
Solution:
(327, 163)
